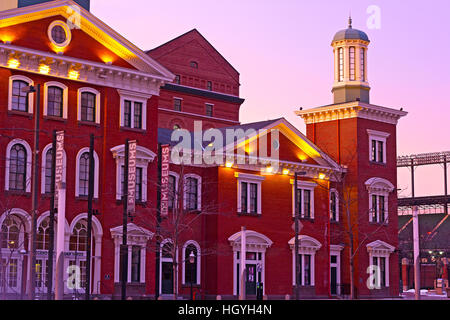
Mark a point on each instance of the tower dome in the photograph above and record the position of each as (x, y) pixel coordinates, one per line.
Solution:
(350, 34)
(350, 65)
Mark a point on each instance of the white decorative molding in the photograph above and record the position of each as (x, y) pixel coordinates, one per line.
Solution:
(65, 97)
(97, 103)
(350, 110)
(30, 95)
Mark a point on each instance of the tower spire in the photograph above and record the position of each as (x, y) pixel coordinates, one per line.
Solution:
(350, 20)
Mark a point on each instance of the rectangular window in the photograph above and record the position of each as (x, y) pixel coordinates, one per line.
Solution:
(138, 115)
(333, 206)
(177, 79)
(19, 98)
(307, 258)
(307, 203)
(380, 151)
(138, 192)
(209, 110)
(172, 191)
(127, 114)
(209, 85)
(88, 106)
(341, 64)
(192, 194)
(177, 104)
(55, 101)
(362, 64)
(377, 151)
(244, 194)
(374, 209)
(352, 62)
(135, 264)
(253, 198)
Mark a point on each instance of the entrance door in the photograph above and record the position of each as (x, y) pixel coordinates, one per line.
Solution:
(333, 280)
(250, 283)
(166, 278)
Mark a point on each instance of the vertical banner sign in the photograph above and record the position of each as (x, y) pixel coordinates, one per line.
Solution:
(131, 177)
(165, 157)
(59, 167)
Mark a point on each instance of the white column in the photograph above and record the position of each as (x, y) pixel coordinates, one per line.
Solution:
(416, 253)
(358, 63)
(346, 64)
(129, 264)
(97, 259)
(242, 265)
(60, 233)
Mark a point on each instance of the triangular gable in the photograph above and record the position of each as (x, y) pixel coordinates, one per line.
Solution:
(296, 137)
(92, 26)
(187, 38)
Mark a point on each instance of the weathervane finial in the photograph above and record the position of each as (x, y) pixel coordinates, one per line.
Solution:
(350, 20)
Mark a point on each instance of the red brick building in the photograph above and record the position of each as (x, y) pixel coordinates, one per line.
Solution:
(95, 81)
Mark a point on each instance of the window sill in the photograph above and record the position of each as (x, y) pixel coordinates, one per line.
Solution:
(196, 211)
(133, 130)
(88, 123)
(188, 285)
(55, 118)
(377, 163)
(85, 198)
(18, 193)
(379, 223)
(304, 219)
(334, 221)
(138, 203)
(20, 113)
(248, 214)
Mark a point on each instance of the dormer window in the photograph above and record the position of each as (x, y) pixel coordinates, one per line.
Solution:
(194, 65)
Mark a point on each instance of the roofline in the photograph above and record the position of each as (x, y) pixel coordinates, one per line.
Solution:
(192, 30)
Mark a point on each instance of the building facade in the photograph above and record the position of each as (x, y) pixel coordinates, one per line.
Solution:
(94, 81)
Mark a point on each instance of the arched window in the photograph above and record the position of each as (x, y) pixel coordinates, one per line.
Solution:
(19, 99)
(11, 229)
(363, 64)
(88, 106)
(43, 240)
(191, 266)
(352, 62)
(83, 175)
(18, 167)
(341, 64)
(194, 65)
(78, 237)
(55, 96)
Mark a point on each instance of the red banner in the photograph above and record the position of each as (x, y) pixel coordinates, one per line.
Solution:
(132, 145)
(59, 167)
(165, 158)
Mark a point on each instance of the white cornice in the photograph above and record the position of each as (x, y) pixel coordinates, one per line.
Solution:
(350, 110)
(90, 71)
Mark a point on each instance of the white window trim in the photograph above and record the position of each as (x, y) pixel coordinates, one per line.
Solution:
(29, 161)
(307, 245)
(65, 90)
(143, 157)
(97, 103)
(379, 187)
(304, 185)
(199, 190)
(44, 153)
(333, 190)
(379, 249)
(66, 30)
(137, 236)
(249, 178)
(377, 136)
(198, 257)
(30, 95)
(133, 97)
(96, 172)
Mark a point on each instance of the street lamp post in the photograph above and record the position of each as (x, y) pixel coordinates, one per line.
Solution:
(23, 252)
(191, 261)
(34, 191)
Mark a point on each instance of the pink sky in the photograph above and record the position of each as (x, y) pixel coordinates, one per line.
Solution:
(282, 51)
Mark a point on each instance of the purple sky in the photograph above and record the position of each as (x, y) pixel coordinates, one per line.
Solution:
(282, 51)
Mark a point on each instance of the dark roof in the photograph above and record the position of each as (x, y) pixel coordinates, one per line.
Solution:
(350, 33)
(429, 239)
(203, 93)
(164, 135)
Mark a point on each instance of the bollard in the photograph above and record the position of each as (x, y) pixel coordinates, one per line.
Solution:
(219, 297)
(287, 297)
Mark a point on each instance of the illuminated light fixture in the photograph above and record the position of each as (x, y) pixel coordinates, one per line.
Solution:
(228, 164)
(322, 176)
(269, 169)
(441, 252)
(285, 171)
(74, 74)
(44, 69)
(13, 63)
(210, 145)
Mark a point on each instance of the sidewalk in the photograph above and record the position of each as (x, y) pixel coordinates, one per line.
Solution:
(424, 295)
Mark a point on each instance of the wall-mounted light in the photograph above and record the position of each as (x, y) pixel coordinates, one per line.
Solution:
(285, 171)
(269, 169)
(44, 69)
(13, 63)
(228, 164)
(74, 74)
(322, 176)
